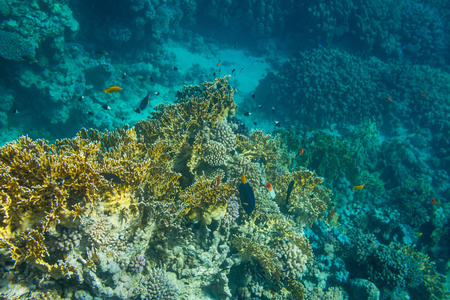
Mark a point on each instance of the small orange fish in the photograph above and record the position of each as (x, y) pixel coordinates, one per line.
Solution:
(218, 182)
(301, 152)
(434, 201)
(389, 99)
(359, 187)
(423, 95)
(113, 89)
(269, 186)
(218, 64)
(332, 213)
(271, 190)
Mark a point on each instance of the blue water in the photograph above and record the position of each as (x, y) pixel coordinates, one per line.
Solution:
(358, 91)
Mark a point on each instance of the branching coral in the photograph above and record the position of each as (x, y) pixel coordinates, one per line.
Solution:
(259, 147)
(44, 185)
(275, 244)
(206, 201)
(308, 200)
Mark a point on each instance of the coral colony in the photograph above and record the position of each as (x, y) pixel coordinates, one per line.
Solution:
(212, 165)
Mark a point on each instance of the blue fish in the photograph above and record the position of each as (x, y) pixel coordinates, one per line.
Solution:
(247, 196)
(144, 102)
(289, 191)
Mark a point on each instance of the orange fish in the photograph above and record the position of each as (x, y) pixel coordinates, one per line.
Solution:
(218, 64)
(218, 182)
(423, 95)
(332, 214)
(271, 190)
(434, 201)
(359, 187)
(301, 152)
(113, 89)
(389, 99)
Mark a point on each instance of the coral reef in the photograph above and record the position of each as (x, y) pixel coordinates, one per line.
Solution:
(151, 211)
(347, 85)
(157, 286)
(15, 47)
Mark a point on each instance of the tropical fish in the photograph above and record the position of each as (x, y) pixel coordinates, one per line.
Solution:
(253, 95)
(144, 102)
(332, 214)
(260, 106)
(277, 124)
(112, 177)
(106, 107)
(289, 191)
(113, 89)
(81, 98)
(217, 182)
(423, 95)
(124, 75)
(218, 64)
(434, 201)
(247, 196)
(175, 68)
(29, 58)
(389, 99)
(255, 123)
(232, 71)
(271, 190)
(273, 109)
(101, 52)
(359, 187)
(247, 114)
(301, 152)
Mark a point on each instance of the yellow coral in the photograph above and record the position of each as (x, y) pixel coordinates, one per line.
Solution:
(206, 202)
(309, 200)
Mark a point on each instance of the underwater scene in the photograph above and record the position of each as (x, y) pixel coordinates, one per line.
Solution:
(225, 149)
